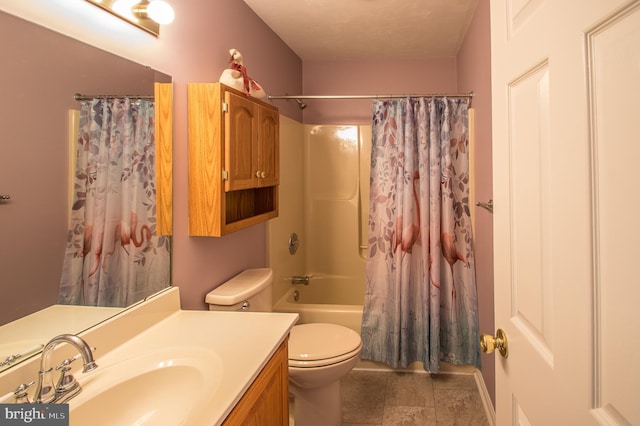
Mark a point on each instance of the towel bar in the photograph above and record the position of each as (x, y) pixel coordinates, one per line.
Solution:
(488, 205)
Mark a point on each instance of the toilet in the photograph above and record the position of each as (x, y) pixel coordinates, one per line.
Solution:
(319, 354)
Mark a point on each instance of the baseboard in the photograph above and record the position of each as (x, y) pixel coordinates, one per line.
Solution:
(414, 367)
(486, 399)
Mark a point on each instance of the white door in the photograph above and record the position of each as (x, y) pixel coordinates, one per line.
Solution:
(566, 147)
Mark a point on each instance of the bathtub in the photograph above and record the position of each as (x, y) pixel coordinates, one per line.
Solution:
(336, 301)
(324, 300)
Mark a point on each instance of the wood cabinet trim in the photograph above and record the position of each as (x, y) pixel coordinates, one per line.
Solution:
(163, 106)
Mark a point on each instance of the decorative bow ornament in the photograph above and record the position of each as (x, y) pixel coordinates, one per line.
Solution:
(236, 77)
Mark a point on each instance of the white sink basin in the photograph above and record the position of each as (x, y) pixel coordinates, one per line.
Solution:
(161, 365)
(164, 387)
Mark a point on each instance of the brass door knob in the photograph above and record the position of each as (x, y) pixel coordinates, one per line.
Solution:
(489, 343)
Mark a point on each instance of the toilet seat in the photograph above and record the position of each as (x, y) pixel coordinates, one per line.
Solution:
(320, 344)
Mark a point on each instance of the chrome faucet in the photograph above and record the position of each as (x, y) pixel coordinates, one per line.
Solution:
(46, 392)
(297, 279)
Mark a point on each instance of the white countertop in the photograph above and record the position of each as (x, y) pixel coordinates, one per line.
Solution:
(241, 344)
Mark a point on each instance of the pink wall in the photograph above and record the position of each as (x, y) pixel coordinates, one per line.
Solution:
(474, 73)
(369, 77)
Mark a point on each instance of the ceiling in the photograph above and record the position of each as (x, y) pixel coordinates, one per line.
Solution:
(357, 29)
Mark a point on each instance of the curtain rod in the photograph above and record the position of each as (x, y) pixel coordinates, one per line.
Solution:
(431, 95)
(80, 97)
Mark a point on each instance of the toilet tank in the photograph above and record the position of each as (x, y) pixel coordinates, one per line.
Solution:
(250, 290)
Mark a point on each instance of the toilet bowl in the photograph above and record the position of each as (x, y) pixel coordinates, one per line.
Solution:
(319, 354)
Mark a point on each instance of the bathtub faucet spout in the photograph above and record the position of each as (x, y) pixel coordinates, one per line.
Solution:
(297, 279)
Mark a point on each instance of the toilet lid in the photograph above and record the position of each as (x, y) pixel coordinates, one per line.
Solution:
(310, 342)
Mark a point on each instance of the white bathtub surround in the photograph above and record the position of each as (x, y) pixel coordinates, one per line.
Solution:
(313, 306)
(323, 189)
(239, 346)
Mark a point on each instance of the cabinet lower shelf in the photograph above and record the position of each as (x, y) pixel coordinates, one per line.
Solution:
(246, 203)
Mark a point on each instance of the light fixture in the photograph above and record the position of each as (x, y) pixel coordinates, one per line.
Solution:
(157, 10)
(145, 14)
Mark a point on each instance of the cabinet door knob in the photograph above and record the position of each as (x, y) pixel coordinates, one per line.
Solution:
(258, 174)
(262, 174)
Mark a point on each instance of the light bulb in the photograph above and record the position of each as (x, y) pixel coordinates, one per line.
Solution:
(161, 12)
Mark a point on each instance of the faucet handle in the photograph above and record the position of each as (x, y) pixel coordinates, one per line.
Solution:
(65, 365)
(22, 393)
(66, 382)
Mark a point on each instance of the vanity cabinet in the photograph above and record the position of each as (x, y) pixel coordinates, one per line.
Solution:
(233, 160)
(266, 402)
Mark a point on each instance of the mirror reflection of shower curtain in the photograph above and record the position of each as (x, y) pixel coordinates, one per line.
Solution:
(113, 256)
(420, 297)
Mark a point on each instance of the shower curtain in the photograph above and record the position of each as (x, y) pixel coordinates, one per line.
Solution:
(113, 256)
(420, 298)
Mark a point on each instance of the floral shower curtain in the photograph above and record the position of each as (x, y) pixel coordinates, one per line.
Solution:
(113, 256)
(420, 298)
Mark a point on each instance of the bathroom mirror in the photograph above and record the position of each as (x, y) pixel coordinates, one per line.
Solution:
(41, 72)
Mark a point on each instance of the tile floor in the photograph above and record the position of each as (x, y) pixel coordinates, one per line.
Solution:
(387, 398)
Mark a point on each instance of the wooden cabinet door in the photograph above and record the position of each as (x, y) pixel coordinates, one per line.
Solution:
(268, 150)
(266, 402)
(240, 142)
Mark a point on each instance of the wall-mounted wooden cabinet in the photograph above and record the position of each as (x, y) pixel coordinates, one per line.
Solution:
(233, 160)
